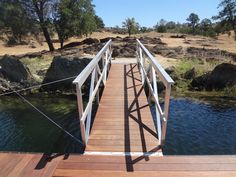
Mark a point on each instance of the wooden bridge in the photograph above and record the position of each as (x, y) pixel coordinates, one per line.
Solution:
(123, 122)
(122, 137)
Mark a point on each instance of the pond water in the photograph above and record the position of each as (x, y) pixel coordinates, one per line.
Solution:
(25, 130)
(193, 127)
(198, 128)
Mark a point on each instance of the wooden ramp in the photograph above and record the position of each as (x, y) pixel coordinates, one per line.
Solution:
(123, 122)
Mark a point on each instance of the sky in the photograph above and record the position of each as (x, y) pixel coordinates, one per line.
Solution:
(149, 12)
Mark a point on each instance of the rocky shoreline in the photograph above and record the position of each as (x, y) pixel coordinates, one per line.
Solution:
(68, 62)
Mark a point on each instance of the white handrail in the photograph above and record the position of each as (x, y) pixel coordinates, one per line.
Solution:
(81, 78)
(97, 76)
(164, 76)
(155, 69)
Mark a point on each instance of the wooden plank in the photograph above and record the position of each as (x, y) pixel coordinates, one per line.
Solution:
(51, 167)
(154, 160)
(149, 167)
(9, 163)
(30, 167)
(100, 173)
(21, 165)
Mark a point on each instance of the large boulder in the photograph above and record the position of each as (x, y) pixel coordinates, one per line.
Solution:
(11, 69)
(61, 68)
(90, 41)
(224, 75)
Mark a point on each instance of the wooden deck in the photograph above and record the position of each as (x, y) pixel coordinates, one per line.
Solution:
(39, 165)
(123, 122)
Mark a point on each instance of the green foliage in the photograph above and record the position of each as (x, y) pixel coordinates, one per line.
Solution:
(75, 17)
(161, 26)
(227, 15)
(206, 28)
(131, 25)
(193, 20)
(99, 22)
(88, 24)
(200, 65)
(144, 29)
(64, 26)
(170, 25)
(15, 21)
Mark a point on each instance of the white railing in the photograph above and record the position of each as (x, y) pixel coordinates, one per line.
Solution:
(98, 75)
(149, 70)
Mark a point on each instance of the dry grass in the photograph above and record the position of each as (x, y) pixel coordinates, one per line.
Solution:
(23, 49)
(223, 42)
(37, 65)
(166, 62)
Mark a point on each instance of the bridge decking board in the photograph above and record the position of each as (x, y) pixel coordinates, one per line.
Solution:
(125, 107)
(33, 165)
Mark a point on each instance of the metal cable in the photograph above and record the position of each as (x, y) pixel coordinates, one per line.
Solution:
(36, 86)
(48, 118)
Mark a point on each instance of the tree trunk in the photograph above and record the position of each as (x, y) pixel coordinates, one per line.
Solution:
(48, 38)
(129, 31)
(61, 42)
(40, 12)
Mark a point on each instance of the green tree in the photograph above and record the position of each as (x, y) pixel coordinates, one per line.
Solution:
(205, 24)
(170, 25)
(99, 22)
(14, 20)
(41, 11)
(88, 23)
(227, 14)
(131, 25)
(62, 20)
(161, 26)
(193, 20)
(74, 17)
(206, 28)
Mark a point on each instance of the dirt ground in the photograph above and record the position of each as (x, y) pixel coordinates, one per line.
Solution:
(22, 49)
(223, 42)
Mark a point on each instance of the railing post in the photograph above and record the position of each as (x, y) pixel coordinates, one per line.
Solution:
(137, 54)
(141, 62)
(105, 66)
(88, 123)
(81, 110)
(158, 116)
(166, 113)
(96, 79)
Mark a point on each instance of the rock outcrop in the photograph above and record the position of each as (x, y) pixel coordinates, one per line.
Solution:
(13, 70)
(224, 75)
(13, 74)
(61, 68)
